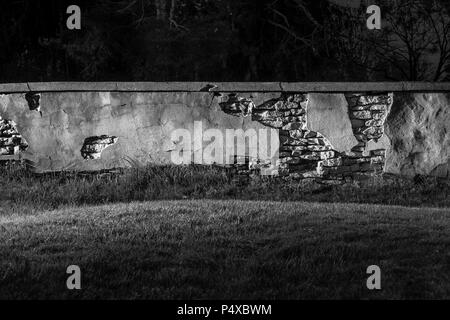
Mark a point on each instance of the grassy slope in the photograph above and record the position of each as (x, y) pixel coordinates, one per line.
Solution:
(226, 249)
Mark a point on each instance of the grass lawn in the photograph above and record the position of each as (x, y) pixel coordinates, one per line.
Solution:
(214, 249)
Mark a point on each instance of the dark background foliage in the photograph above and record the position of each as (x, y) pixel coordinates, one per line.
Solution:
(224, 40)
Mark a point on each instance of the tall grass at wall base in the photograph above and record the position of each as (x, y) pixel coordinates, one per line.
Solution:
(22, 189)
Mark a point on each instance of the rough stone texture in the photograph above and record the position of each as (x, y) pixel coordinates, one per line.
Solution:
(11, 141)
(301, 152)
(288, 112)
(94, 146)
(305, 154)
(419, 130)
(367, 114)
(237, 106)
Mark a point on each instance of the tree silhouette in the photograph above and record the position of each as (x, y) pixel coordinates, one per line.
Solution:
(413, 44)
(224, 40)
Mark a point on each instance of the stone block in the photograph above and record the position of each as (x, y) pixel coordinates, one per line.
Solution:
(379, 116)
(379, 107)
(310, 134)
(313, 141)
(293, 148)
(293, 142)
(372, 132)
(310, 156)
(327, 155)
(374, 123)
(294, 126)
(363, 115)
(352, 154)
(296, 112)
(4, 151)
(284, 154)
(377, 159)
(236, 105)
(374, 99)
(379, 152)
(298, 153)
(278, 123)
(333, 162)
(318, 148)
(359, 108)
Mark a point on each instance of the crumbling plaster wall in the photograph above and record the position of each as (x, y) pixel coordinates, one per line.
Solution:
(361, 131)
(142, 123)
(302, 119)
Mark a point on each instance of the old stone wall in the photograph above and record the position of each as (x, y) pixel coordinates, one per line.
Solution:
(306, 153)
(329, 136)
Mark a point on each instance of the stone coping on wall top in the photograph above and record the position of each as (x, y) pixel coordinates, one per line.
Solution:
(326, 87)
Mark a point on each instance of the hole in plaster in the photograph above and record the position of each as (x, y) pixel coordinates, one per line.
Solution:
(94, 146)
(237, 106)
(11, 141)
(33, 100)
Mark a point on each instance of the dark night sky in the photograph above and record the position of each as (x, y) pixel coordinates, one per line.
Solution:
(220, 40)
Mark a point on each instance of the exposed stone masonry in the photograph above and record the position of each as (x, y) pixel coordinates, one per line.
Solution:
(11, 141)
(367, 115)
(308, 154)
(286, 113)
(351, 167)
(237, 106)
(94, 146)
(301, 152)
